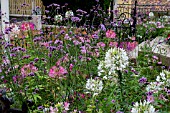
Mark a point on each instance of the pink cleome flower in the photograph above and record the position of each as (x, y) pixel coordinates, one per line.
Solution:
(27, 26)
(28, 69)
(45, 44)
(129, 46)
(66, 106)
(113, 44)
(101, 44)
(57, 71)
(110, 34)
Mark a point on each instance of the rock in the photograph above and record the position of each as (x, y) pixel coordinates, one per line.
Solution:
(158, 48)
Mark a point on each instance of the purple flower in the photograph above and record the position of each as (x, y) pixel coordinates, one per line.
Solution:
(142, 80)
(134, 71)
(50, 55)
(168, 92)
(75, 19)
(155, 57)
(149, 93)
(13, 55)
(162, 97)
(52, 48)
(23, 49)
(83, 49)
(26, 57)
(36, 39)
(14, 49)
(95, 36)
(150, 98)
(113, 101)
(40, 107)
(119, 112)
(159, 63)
(102, 27)
(36, 60)
(62, 32)
(47, 11)
(163, 67)
(105, 98)
(126, 71)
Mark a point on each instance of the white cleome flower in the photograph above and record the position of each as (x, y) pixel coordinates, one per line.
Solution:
(69, 14)
(58, 18)
(144, 107)
(116, 59)
(154, 87)
(101, 69)
(94, 86)
(151, 14)
(162, 81)
(164, 77)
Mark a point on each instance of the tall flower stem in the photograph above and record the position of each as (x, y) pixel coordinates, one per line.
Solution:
(120, 86)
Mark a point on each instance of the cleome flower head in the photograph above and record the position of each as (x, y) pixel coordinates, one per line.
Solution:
(28, 69)
(58, 18)
(164, 77)
(162, 81)
(110, 34)
(103, 72)
(154, 87)
(57, 72)
(116, 59)
(143, 107)
(94, 86)
(69, 14)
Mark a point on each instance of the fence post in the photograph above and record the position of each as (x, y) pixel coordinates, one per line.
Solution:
(33, 6)
(134, 18)
(36, 18)
(5, 18)
(115, 7)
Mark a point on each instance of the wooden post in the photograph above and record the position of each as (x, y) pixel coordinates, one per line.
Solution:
(115, 7)
(33, 6)
(5, 18)
(115, 4)
(36, 16)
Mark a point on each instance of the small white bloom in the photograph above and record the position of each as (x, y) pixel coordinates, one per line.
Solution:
(143, 107)
(46, 110)
(116, 59)
(151, 14)
(164, 77)
(69, 14)
(95, 86)
(58, 18)
(162, 74)
(101, 68)
(154, 87)
(158, 78)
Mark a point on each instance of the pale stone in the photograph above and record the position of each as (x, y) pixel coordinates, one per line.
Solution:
(36, 19)
(161, 50)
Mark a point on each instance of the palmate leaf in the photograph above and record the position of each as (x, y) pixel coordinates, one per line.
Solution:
(36, 97)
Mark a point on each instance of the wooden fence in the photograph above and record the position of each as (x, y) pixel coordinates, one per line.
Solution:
(24, 7)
